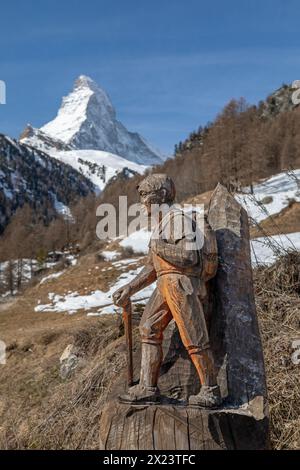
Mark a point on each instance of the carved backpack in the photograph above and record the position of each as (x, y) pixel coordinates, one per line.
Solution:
(209, 251)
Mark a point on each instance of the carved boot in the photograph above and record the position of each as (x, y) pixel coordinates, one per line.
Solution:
(140, 395)
(146, 392)
(209, 395)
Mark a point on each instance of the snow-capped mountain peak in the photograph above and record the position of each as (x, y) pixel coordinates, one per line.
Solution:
(87, 120)
(84, 83)
(75, 115)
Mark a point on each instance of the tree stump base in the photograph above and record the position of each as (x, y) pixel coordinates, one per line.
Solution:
(169, 427)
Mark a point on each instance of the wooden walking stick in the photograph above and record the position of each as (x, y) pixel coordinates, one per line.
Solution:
(127, 319)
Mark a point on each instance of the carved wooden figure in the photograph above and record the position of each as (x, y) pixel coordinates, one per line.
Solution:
(206, 298)
(181, 265)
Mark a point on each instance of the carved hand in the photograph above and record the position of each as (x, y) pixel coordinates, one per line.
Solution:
(121, 296)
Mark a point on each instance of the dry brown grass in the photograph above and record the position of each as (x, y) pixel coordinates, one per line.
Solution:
(286, 221)
(203, 198)
(38, 409)
(42, 411)
(278, 307)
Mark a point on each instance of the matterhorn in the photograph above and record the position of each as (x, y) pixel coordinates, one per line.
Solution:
(87, 120)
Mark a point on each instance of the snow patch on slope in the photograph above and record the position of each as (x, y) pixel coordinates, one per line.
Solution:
(73, 302)
(265, 250)
(51, 276)
(137, 241)
(279, 189)
(61, 208)
(96, 165)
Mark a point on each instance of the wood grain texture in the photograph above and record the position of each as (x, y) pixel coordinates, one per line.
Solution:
(234, 331)
(169, 427)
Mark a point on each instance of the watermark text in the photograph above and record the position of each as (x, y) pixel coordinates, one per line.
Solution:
(2, 92)
(166, 222)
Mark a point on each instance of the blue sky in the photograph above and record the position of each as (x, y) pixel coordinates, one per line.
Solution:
(168, 65)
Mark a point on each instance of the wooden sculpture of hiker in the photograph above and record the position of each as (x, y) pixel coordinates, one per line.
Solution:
(181, 274)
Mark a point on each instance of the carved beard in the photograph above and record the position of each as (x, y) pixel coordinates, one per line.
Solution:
(144, 210)
(155, 197)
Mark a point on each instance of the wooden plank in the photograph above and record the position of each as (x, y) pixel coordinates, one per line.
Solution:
(146, 429)
(196, 437)
(182, 441)
(164, 438)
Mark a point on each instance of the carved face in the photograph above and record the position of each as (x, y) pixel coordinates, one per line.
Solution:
(156, 189)
(147, 199)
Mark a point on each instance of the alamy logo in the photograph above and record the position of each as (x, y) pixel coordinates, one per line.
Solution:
(2, 353)
(2, 92)
(165, 222)
(296, 94)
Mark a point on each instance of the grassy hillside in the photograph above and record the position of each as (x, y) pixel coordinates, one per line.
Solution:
(40, 409)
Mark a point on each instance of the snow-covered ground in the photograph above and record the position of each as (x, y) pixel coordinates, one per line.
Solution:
(22, 271)
(125, 262)
(272, 195)
(110, 255)
(96, 165)
(17, 273)
(269, 197)
(266, 250)
(263, 251)
(73, 302)
(51, 276)
(137, 241)
(61, 208)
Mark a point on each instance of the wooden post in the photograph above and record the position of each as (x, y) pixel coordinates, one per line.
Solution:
(127, 318)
